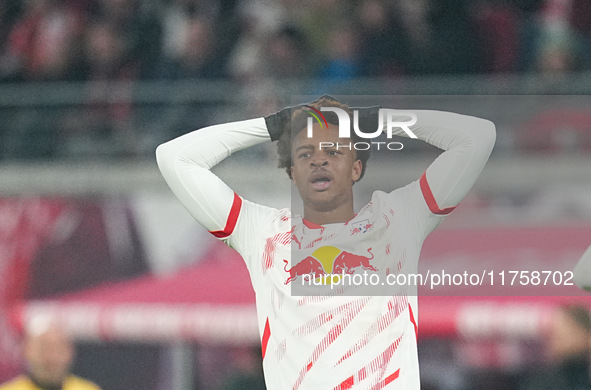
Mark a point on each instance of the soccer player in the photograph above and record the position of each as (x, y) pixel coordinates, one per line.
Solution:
(330, 341)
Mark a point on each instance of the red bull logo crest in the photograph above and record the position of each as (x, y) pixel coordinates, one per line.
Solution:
(329, 260)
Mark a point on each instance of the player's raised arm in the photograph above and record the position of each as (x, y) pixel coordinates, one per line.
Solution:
(467, 142)
(185, 163)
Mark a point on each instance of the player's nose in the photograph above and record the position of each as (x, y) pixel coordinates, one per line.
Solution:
(319, 162)
(319, 159)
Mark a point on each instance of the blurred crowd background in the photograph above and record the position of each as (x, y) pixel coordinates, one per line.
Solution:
(89, 88)
(119, 62)
(89, 40)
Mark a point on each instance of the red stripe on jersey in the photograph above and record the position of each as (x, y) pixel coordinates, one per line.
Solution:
(232, 219)
(394, 309)
(392, 377)
(311, 225)
(379, 364)
(266, 335)
(346, 384)
(268, 254)
(412, 319)
(347, 313)
(430, 199)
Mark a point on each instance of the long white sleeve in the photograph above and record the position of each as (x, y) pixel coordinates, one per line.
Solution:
(467, 142)
(185, 163)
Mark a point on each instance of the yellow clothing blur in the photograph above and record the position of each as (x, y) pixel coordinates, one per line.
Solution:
(72, 383)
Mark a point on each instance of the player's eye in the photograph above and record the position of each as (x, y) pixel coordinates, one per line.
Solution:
(304, 155)
(333, 152)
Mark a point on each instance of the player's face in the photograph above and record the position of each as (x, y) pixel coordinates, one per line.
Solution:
(323, 174)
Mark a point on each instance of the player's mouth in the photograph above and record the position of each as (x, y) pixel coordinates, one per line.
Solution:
(321, 181)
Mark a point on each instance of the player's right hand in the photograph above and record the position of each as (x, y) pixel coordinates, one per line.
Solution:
(279, 121)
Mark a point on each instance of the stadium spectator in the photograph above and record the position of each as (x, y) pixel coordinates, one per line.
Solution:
(384, 47)
(563, 36)
(257, 21)
(317, 20)
(138, 26)
(556, 52)
(287, 52)
(49, 354)
(40, 44)
(8, 62)
(103, 124)
(343, 55)
(499, 31)
(415, 35)
(177, 15)
(106, 54)
(454, 47)
(570, 352)
(198, 57)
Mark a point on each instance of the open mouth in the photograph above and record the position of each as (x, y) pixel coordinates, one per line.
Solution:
(321, 182)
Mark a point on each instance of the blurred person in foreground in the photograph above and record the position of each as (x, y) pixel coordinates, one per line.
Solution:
(48, 353)
(330, 339)
(569, 348)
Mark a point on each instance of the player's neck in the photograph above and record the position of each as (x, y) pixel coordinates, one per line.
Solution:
(340, 215)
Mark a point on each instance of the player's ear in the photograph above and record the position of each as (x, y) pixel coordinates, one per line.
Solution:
(356, 170)
(291, 175)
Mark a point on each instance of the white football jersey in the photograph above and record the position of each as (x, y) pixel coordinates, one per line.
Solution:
(339, 341)
(336, 339)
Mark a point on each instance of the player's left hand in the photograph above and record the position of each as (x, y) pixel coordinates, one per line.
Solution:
(368, 117)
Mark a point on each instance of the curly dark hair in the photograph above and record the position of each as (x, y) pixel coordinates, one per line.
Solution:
(299, 120)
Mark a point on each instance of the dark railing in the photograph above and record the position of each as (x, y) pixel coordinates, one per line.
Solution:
(64, 121)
